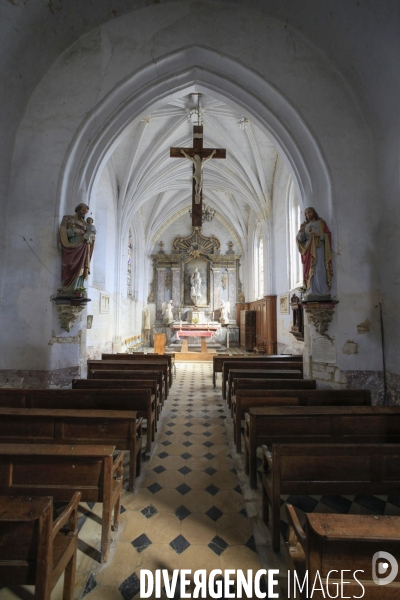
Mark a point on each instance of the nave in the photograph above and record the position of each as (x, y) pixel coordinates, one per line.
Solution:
(192, 506)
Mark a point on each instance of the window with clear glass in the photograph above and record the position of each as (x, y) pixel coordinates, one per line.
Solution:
(129, 266)
(260, 267)
(294, 226)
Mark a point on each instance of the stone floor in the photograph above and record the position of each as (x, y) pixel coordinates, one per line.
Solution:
(192, 507)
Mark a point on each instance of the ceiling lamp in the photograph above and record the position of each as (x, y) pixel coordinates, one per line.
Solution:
(207, 213)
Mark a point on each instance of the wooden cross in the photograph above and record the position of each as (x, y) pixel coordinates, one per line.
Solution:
(203, 153)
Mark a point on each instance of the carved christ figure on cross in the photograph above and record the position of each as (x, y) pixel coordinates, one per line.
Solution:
(197, 156)
(198, 171)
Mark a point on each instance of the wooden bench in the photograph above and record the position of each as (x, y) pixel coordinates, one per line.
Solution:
(34, 549)
(325, 469)
(219, 359)
(134, 376)
(262, 383)
(334, 542)
(75, 426)
(140, 401)
(148, 357)
(260, 363)
(169, 355)
(242, 399)
(317, 424)
(259, 372)
(129, 365)
(60, 471)
(121, 384)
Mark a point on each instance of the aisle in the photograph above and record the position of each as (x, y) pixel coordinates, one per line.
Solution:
(188, 510)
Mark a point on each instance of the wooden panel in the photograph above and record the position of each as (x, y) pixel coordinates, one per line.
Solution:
(160, 340)
(247, 329)
(266, 322)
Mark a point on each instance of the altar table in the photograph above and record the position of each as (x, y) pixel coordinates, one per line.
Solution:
(193, 333)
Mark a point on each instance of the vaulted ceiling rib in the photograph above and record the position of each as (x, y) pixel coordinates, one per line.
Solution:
(147, 174)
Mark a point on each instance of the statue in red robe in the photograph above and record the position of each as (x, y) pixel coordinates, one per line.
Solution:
(76, 250)
(314, 242)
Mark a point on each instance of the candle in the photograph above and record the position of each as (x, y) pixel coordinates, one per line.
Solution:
(227, 338)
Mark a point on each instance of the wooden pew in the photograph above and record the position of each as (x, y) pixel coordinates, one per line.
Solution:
(118, 428)
(148, 357)
(129, 365)
(121, 384)
(259, 363)
(34, 549)
(219, 359)
(325, 469)
(140, 401)
(262, 383)
(260, 373)
(60, 471)
(246, 391)
(134, 376)
(170, 355)
(317, 424)
(334, 542)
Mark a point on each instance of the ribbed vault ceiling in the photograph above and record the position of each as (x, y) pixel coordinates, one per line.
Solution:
(158, 188)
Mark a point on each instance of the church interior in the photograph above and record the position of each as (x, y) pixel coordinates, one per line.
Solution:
(192, 192)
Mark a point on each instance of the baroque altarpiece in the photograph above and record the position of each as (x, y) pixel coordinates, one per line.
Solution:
(219, 276)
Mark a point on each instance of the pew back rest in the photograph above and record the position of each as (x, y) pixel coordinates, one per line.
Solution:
(353, 463)
(126, 365)
(310, 397)
(246, 383)
(294, 424)
(79, 399)
(26, 468)
(219, 360)
(110, 384)
(261, 364)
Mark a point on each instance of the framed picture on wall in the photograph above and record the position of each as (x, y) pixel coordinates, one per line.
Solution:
(284, 304)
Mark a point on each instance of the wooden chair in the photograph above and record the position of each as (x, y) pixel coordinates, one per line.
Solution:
(34, 549)
(44, 469)
(334, 542)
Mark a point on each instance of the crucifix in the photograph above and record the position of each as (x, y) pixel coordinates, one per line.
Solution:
(198, 156)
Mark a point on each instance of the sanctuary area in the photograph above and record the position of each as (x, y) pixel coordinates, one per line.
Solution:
(200, 365)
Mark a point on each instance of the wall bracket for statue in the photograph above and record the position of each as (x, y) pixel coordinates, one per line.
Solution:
(68, 314)
(320, 314)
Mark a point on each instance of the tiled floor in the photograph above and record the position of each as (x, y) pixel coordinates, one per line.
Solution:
(192, 507)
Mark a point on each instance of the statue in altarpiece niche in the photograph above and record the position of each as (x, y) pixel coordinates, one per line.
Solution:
(167, 311)
(195, 286)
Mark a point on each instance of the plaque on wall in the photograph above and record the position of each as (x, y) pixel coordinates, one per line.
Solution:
(323, 349)
(104, 303)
